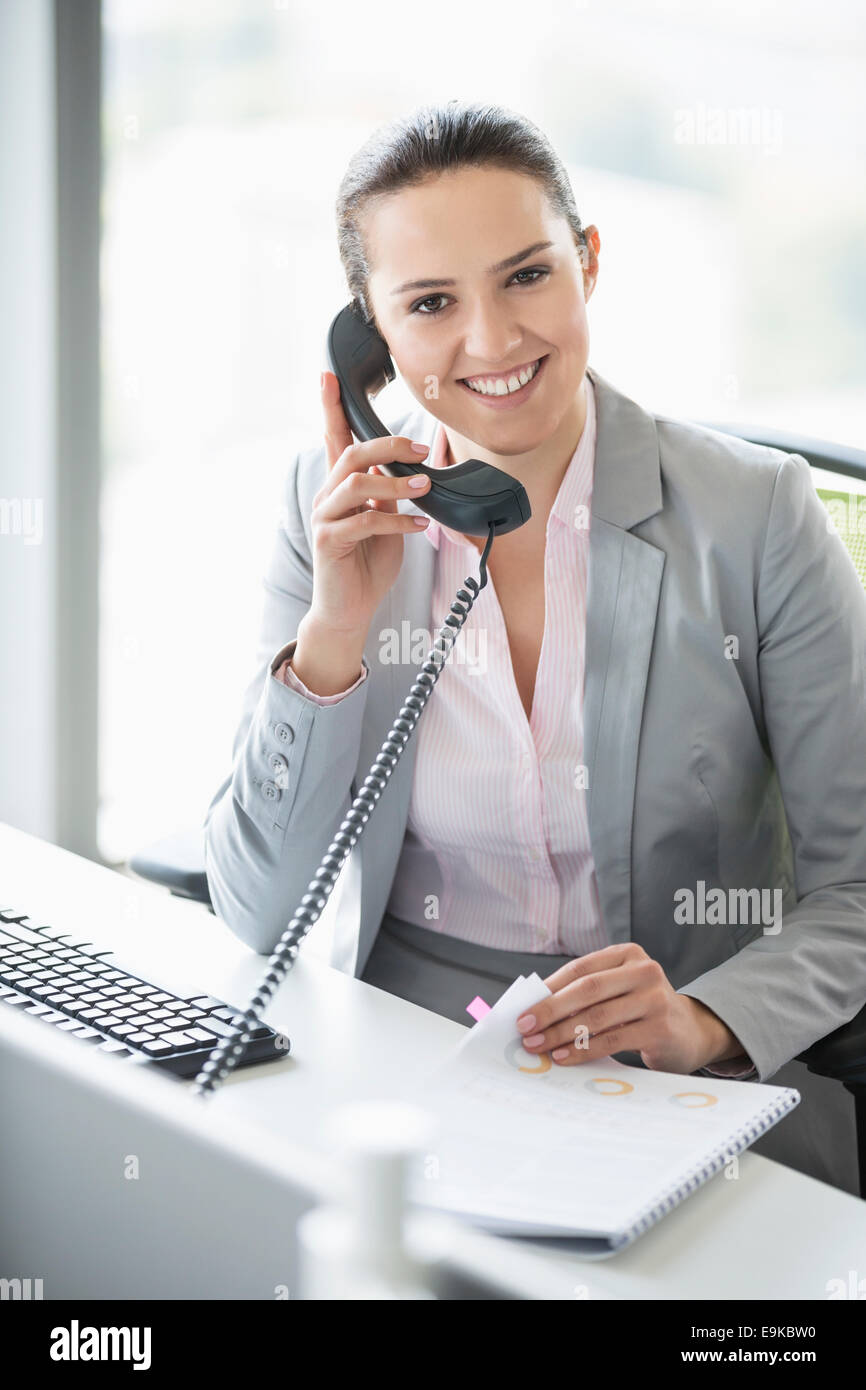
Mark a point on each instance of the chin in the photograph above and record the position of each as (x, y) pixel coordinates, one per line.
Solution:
(510, 436)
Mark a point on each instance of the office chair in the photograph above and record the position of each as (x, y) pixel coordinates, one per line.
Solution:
(178, 862)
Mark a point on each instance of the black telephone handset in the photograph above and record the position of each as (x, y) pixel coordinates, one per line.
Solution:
(473, 498)
(466, 497)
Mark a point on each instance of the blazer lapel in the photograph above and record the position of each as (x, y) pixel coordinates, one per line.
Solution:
(623, 586)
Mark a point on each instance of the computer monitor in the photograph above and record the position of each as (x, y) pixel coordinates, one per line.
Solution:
(117, 1182)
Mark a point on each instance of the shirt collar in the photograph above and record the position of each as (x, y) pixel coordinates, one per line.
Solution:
(575, 490)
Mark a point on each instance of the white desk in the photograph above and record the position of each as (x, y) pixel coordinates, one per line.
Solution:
(771, 1233)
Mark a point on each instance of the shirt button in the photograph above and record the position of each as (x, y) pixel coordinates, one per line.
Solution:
(284, 733)
(535, 853)
(280, 769)
(526, 760)
(270, 792)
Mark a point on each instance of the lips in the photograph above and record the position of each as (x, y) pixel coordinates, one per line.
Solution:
(502, 383)
(486, 390)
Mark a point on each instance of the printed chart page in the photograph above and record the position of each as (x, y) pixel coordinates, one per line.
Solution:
(599, 1150)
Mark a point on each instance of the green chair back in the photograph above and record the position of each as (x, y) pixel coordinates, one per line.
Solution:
(848, 510)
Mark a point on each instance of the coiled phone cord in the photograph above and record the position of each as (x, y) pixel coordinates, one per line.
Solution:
(230, 1050)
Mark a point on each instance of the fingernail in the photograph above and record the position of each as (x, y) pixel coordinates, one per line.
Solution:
(560, 1054)
(419, 448)
(421, 520)
(527, 1023)
(418, 480)
(534, 1040)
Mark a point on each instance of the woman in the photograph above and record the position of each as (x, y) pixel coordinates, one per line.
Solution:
(665, 731)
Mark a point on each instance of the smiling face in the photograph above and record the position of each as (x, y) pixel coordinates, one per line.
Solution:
(478, 288)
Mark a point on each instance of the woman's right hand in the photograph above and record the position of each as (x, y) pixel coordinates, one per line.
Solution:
(357, 530)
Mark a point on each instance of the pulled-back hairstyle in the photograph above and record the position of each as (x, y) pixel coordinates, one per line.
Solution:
(430, 141)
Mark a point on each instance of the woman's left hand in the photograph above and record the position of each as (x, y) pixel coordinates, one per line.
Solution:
(619, 999)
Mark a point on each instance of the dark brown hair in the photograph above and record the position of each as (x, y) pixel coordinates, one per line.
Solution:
(430, 141)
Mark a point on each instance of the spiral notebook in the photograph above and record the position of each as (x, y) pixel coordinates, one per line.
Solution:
(598, 1152)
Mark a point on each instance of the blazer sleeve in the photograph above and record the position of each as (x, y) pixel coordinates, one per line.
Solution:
(796, 983)
(293, 762)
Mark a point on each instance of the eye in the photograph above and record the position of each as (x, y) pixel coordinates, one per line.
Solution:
(538, 271)
(430, 299)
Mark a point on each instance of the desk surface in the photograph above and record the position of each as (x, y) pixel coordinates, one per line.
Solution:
(769, 1233)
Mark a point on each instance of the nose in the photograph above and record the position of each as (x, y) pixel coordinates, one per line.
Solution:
(490, 337)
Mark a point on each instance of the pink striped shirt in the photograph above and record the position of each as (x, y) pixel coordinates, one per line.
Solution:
(497, 848)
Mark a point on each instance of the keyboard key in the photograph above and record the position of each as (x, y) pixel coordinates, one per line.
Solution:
(87, 1033)
(201, 1035)
(161, 999)
(207, 1002)
(20, 933)
(156, 1047)
(219, 1026)
(135, 1039)
(107, 1021)
(113, 1046)
(179, 1042)
(123, 1030)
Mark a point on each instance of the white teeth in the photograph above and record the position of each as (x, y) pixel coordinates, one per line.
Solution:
(498, 386)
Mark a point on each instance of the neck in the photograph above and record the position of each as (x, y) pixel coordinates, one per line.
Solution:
(541, 471)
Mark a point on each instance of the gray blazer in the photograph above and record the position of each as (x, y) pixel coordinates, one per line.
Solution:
(725, 732)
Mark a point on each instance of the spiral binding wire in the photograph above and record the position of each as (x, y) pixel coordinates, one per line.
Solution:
(701, 1173)
(230, 1050)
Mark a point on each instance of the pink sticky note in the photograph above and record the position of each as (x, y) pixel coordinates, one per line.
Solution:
(478, 1008)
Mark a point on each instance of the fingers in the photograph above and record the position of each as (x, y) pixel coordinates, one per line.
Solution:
(349, 487)
(608, 958)
(631, 1006)
(593, 1002)
(338, 436)
(590, 995)
(628, 1037)
(352, 529)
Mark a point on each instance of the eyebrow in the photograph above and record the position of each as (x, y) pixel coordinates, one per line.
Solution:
(491, 269)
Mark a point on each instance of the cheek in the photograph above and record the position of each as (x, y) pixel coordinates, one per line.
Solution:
(568, 331)
(421, 365)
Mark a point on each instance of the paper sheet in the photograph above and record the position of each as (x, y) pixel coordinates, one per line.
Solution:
(524, 1144)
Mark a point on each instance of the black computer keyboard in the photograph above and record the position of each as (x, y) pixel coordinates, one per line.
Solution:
(75, 987)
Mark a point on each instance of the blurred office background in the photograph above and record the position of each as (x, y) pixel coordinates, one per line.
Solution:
(168, 269)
